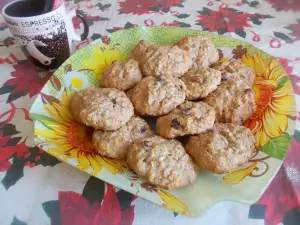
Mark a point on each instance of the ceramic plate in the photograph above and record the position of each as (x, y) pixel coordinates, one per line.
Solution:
(273, 123)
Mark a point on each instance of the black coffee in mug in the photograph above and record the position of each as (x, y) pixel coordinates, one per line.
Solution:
(45, 38)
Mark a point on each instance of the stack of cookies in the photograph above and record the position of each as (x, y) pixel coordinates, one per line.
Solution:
(192, 96)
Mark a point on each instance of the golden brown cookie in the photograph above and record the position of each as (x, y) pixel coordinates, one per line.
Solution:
(163, 162)
(200, 82)
(105, 108)
(143, 50)
(201, 50)
(222, 149)
(167, 61)
(114, 144)
(121, 75)
(232, 103)
(155, 96)
(240, 73)
(187, 118)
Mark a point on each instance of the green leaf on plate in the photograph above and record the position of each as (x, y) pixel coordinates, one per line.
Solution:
(284, 37)
(282, 81)
(278, 147)
(41, 118)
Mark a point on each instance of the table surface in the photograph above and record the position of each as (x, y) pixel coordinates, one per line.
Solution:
(37, 189)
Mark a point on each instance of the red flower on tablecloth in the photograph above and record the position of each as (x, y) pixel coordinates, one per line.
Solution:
(226, 20)
(283, 194)
(140, 7)
(295, 30)
(293, 5)
(25, 80)
(76, 210)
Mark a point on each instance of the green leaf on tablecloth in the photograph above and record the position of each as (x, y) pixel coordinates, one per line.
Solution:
(181, 16)
(9, 41)
(154, 8)
(103, 7)
(128, 25)
(256, 21)
(52, 209)
(6, 89)
(125, 199)
(9, 130)
(15, 96)
(284, 37)
(182, 24)
(14, 173)
(277, 147)
(232, 9)
(3, 27)
(222, 31)
(95, 36)
(165, 10)
(13, 141)
(297, 135)
(241, 33)
(16, 221)
(282, 81)
(94, 190)
(179, 5)
(39, 157)
(110, 30)
(175, 214)
(254, 3)
(205, 11)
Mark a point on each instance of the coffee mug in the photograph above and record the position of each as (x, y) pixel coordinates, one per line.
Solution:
(45, 38)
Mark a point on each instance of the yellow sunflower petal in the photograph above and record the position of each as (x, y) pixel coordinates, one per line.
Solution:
(94, 164)
(239, 175)
(53, 112)
(261, 138)
(65, 98)
(63, 112)
(83, 160)
(274, 124)
(173, 203)
(47, 134)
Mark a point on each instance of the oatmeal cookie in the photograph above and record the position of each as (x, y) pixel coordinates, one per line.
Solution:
(155, 96)
(187, 118)
(163, 162)
(240, 73)
(201, 50)
(200, 82)
(222, 149)
(167, 61)
(105, 108)
(114, 144)
(232, 103)
(143, 50)
(121, 75)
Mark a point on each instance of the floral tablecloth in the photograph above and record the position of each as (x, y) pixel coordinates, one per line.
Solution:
(37, 189)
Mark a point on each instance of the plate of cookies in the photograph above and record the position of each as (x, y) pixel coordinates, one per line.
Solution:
(182, 118)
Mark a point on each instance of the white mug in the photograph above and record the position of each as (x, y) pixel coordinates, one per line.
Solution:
(45, 38)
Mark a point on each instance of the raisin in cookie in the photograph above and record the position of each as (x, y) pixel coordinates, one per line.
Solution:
(155, 96)
(200, 82)
(222, 149)
(163, 162)
(114, 144)
(105, 108)
(167, 61)
(188, 118)
(121, 75)
(201, 50)
(232, 103)
(240, 73)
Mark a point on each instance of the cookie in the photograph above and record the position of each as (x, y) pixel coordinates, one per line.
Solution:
(163, 162)
(121, 75)
(240, 73)
(143, 50)
(167, 61)
(188, 118)
(222, 149)
(114, 144)
(200, 82)
(232, 104)
(155, 96)
(105, 108)
(201, 50)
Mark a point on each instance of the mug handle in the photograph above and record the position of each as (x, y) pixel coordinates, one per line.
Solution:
(73, 13)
